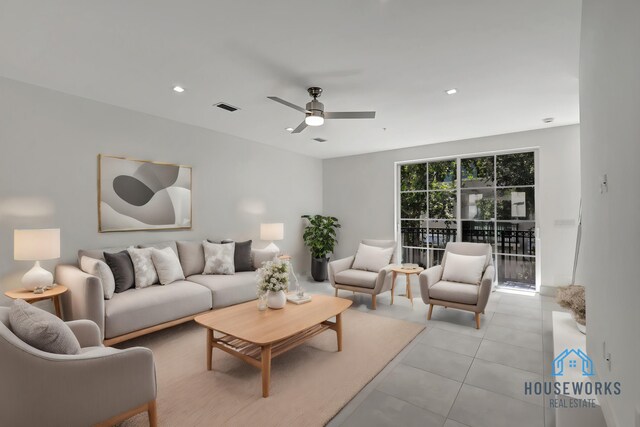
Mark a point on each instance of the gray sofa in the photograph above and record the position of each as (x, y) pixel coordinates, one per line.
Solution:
(136, 312)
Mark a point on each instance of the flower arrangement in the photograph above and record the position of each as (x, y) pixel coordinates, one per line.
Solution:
(572, 297)
(273, 276)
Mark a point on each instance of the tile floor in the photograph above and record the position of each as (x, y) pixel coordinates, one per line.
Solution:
(454, 375)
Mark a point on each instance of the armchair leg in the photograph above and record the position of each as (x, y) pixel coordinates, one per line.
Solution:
(373, 302)
(430, 311)
(477, 320)
(153, 414)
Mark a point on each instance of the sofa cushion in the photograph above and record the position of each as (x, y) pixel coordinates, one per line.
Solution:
(143, 268)
(229, 289)
(372, 258)
(141, 308)
(167, 265)
(41, 329)
(260, 256)
(464, 268)
(101, 270)
(241, 255)
(360, 278)
(191, 257)
(162, 245)
(462, 293)
(218, 258)
(122, 269)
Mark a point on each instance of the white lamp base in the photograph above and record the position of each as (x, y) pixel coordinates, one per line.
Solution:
(37, 277)
(272, 246)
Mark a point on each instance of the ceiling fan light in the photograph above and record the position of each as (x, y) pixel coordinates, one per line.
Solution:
(312, 120)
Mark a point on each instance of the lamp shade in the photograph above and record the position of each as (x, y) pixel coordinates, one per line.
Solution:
(273, 231)
(36, 245)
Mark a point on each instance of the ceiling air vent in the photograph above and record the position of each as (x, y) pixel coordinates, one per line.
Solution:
(319, 140)
(226, 106)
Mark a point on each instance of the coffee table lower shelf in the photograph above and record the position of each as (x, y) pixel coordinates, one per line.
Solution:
(260, 355)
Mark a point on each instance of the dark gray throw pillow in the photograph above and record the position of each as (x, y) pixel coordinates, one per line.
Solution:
(122, 268)
(242, 255)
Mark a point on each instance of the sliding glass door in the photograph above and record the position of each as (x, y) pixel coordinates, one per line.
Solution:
(486, 199)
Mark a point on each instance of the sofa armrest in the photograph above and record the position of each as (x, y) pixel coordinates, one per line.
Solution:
(485, 287)
(428, 278)
(383, 282)
(337, 266)
(87, 332)
(85, 298)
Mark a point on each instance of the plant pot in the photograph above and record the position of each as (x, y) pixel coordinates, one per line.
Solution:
(276, 300)
(319, 269)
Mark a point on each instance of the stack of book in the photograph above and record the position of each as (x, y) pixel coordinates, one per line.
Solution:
(294, 298)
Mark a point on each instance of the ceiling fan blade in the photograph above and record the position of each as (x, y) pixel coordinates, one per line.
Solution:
(302, 126)
(350, 115)
(287, 103)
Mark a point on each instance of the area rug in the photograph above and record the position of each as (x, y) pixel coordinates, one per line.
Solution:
(309, 384)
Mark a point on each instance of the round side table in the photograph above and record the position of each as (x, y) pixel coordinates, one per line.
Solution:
(407, 272)
(31, 297)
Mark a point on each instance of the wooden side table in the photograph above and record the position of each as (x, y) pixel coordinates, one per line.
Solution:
(31, 297)
(407, 272)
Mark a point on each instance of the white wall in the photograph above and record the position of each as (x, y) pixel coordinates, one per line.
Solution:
(359, 190)
(49, 144)
(610, 253)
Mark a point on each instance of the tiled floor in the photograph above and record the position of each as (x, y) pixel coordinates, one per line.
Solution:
(454, 375)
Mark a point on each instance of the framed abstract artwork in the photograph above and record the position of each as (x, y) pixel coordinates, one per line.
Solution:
(138, 195)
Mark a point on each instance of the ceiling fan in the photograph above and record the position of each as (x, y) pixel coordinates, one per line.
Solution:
(315, 114)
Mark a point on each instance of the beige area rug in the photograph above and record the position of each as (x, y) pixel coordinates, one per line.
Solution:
(309, 384)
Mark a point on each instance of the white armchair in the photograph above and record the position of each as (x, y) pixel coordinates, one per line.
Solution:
(98, 386)
(342, 276)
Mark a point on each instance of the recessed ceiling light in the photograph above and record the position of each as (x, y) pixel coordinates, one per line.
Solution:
(320, 140)
(289, 129)
(178, 89)
(451, 91)
(547, 120)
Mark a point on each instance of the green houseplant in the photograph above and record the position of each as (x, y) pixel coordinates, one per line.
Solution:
(320, 237)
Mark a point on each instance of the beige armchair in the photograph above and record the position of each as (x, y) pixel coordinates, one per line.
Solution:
(342, 276)
(462, 296)
(99, 386)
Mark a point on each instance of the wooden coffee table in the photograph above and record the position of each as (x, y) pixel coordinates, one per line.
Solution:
(256, 336)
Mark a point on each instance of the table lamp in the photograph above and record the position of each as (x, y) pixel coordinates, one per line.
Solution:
(272, 232)
(36, 245)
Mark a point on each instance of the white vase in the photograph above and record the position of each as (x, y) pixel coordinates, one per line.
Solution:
(276, 300)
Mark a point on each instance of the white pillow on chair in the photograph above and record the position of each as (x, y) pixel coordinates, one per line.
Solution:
(464, 268)
(372, 258)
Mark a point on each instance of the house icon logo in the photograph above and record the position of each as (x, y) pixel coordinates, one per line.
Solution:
(571, 358)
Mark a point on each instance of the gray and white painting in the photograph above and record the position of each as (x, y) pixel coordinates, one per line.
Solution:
(141, 195)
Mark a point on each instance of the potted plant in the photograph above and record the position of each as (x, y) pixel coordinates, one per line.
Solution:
(320, 238)
(273, 279)
(572, 297)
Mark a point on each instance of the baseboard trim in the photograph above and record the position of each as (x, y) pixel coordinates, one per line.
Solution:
(548, 291)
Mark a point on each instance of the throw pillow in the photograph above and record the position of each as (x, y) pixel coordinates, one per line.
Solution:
(241, 255)
(463, 268)
(122, 269)
(41, 329)
(100, 269)
(372, 258)
(167, 265)
(191, 257)
(145, 272)
(260, 256)
(218, 258)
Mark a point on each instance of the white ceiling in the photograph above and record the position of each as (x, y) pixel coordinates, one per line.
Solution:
(514, 62)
